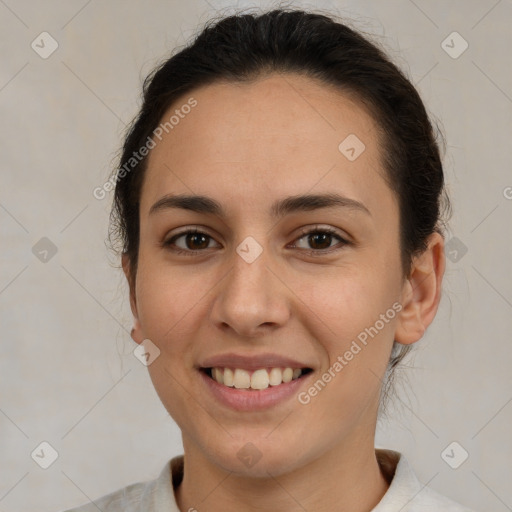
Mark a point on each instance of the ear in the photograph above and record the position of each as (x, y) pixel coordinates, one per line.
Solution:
(421, 293)
(136, 333)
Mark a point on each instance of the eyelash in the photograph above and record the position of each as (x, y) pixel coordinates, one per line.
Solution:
(312, 252)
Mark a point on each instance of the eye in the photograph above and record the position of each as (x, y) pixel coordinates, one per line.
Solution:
(320, 239)
(195, 241)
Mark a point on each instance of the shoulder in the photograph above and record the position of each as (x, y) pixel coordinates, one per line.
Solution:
(406, 493)
(148, 496)
(430, 500)
(126, 499)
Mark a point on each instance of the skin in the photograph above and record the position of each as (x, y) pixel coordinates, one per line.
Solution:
(247, 145)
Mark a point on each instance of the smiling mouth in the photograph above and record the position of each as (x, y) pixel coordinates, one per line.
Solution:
(254, 380)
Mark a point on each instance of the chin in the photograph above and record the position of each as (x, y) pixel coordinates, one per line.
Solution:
(256, 459)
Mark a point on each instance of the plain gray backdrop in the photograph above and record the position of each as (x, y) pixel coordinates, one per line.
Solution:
(68, 374)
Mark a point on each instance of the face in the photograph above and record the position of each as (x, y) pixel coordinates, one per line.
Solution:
(259, 287)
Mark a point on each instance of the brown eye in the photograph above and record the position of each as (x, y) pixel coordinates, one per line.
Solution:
(320, 239)
(193, 241)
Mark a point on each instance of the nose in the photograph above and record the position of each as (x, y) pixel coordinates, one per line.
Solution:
(251, 300)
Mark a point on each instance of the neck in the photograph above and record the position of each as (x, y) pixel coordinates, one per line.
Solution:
(346, 479)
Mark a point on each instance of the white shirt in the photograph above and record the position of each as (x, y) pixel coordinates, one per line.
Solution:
(405, 493)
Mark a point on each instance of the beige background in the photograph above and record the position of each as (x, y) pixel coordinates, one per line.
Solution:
(68, 375)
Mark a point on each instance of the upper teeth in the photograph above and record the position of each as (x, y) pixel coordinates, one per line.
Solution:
(259, 379)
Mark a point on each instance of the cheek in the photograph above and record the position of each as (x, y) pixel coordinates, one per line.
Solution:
(348, 300)
(353, 320)
(354, 324)
(167, 299)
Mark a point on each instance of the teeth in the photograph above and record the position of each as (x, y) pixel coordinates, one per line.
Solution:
(276, 376)
(241, 379)
(287, 375)
(218, 375)
(228, 377)
(259, 379)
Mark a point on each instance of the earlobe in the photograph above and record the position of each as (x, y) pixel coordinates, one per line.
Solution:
(421, 293)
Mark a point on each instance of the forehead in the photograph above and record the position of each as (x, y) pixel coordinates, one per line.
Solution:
(281, 134)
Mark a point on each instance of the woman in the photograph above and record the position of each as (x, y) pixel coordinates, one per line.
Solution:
(279, 205)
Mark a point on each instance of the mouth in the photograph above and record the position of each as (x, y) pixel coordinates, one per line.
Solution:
(254, 380)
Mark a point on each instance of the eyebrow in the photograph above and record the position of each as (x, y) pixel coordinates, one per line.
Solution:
(280, 208)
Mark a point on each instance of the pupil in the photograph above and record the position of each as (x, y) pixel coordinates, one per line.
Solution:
(321, 235)
(197, 236)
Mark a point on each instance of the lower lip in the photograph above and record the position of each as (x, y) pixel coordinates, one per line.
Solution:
(244, 400)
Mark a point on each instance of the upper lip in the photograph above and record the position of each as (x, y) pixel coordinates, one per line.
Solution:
(255, 362)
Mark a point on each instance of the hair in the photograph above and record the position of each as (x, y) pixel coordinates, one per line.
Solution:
(244, 47)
